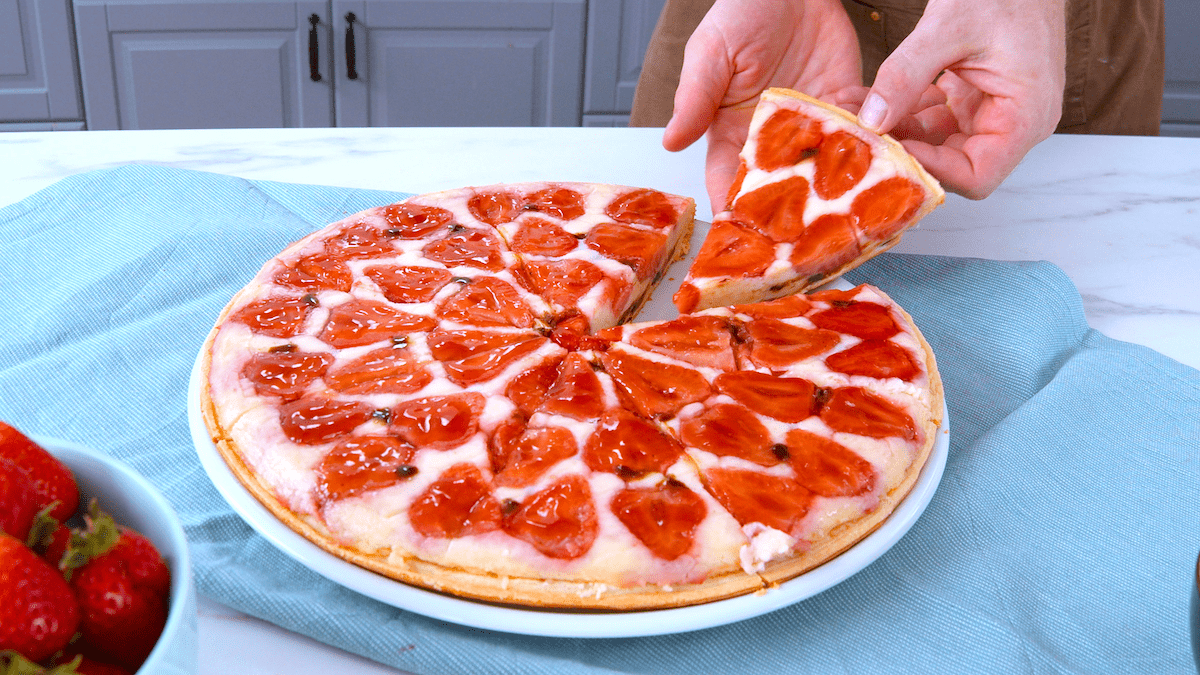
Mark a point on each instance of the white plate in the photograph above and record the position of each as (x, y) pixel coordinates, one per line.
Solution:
(557, 623)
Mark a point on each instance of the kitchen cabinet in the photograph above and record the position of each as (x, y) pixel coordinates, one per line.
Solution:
(153, 64)
(618, 33)
(459, 63)
(39, 87)
(202, 65)
(1181, 93)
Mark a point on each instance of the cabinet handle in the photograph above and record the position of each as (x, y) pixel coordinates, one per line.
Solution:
(314, 58)
(351, 72)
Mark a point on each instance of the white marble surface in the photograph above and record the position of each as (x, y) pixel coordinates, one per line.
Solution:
(1121, 216)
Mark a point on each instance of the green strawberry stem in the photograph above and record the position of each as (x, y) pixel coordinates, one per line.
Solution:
(94, 539)
(12, 663)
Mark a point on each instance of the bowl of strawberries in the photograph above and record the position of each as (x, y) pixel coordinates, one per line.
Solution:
(95, 574)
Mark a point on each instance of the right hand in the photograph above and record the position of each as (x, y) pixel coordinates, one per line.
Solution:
(743, 47)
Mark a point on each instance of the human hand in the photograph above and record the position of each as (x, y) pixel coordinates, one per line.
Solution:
(741, 48)
(1002, 65)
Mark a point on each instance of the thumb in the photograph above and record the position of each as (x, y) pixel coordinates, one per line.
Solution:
(703, 82)
(905, 75)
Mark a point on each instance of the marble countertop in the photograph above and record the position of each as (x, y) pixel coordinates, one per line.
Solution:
(1120, 215)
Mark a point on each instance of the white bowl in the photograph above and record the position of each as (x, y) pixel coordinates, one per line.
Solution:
(134, 502)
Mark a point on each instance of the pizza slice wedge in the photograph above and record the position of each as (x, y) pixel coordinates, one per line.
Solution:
(816, 194)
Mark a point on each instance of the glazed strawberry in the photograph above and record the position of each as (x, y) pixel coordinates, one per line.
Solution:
(122, 590)
(38, 613)
(52, 480)
(18, 500)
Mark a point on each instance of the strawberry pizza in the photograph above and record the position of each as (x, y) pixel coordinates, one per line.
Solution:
(449, 391)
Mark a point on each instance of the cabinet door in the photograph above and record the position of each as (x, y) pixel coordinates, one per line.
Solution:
(185, 64)
(38, 81)
(460, 62)
(1181, 95)
(618, 34)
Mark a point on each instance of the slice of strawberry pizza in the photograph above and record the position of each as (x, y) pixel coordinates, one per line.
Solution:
(816, 194)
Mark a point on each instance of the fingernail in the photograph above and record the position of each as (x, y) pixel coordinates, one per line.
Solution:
(874, 109)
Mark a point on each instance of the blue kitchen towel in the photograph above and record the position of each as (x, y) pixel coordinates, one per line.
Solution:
(1063, 536)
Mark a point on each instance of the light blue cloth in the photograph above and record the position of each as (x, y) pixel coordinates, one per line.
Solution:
(1062, 538)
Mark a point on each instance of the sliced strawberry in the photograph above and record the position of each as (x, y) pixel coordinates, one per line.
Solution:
(408, 283)
(755, 497)
(487, 301)
(438, 422)
(828, 243)
(414, 221)
(786, 138)
(572, 332)
(279, 316)
(835, 296)
(787, 399)
(687, 298)
(560, 521)
(651, 388)
(885, 208)
(643, 207)
(539, 236)
(828, 468)
(390, 370)
(698, 340)
(577, 392)
(776, 209)
(495, 207)
(855, 410)
(18, 500)
(363, 322)
(629, 446)
(520, 454)
(458, 504)
(736, 187)
(560, 202)
(726, 429)
(319, 271)
(732, 250)
(361, 464)
(471, 356)
(285, 372)
(470, 248)
(52, 480)
(641, 249)
(38, 612)
(867, 320)
(787, 307)
(314, 420)
(842, 161)
(528, 390)
(875, 358)
(776, 344)
(359, 241)
(664, 517)
(560, 282)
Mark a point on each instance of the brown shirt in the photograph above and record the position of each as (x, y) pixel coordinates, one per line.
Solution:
(1115, 59)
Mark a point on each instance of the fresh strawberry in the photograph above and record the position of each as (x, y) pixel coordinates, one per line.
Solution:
(74, 662)
(52, 480)
(38, 613)
(88, 666)
(122, 588)
(18, 500)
